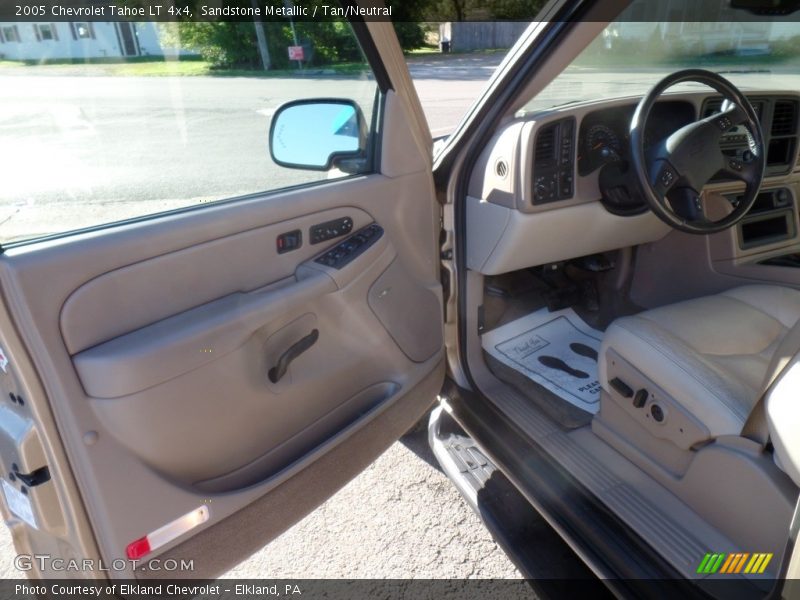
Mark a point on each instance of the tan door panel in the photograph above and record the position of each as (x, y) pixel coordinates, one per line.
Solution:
(211, 363)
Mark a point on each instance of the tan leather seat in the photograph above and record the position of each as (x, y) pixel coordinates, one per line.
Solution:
(711, 354)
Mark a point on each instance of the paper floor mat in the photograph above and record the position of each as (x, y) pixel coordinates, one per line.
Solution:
(556, 350)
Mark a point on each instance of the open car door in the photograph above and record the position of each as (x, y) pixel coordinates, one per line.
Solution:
(188, 384)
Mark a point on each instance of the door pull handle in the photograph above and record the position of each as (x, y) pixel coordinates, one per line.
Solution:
(279, 370)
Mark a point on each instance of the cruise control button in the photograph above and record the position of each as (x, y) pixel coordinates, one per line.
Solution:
(667, 177)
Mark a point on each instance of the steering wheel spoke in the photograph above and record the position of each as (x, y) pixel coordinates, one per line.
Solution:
(664, 177)
(733, 113)
(750, 172)
(672, 174)
(730, 116)
(687, 203)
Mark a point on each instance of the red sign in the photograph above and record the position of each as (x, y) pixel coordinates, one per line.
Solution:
(296, 53)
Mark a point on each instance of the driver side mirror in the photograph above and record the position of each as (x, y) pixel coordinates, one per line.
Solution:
(318, 134)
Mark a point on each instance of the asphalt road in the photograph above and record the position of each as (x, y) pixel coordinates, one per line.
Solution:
(402, 517)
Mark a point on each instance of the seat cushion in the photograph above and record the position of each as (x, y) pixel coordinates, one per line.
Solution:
(710, 354)
(783, 419)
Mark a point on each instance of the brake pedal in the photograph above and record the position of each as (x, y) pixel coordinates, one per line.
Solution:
(594, 263)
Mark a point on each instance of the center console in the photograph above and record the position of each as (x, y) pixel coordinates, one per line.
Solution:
(770, 220)
(786, 260)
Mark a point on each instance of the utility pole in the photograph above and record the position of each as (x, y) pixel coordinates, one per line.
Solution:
(261, 39)
(290, 5)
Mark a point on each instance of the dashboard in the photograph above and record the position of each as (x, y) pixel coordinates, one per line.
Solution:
(604, 136)
(556, 184)
(603, 143)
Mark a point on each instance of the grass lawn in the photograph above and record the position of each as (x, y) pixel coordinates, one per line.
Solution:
(185, 67)
(434, 52)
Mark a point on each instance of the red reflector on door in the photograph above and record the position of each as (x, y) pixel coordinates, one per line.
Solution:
(138, 549)
(167, 533)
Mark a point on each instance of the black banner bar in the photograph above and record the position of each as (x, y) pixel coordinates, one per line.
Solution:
(643, 11)
(358, 589)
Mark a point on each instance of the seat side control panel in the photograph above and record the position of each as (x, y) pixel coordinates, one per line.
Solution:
(346, 251)
(329, 230)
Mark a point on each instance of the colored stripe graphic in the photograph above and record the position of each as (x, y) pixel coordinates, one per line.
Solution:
(731, 560)
(715, 567)
(740, 564)
(764, 564)
(703, 563)
(735, 562)
(752, 563)
(758, 564)
(711, 563)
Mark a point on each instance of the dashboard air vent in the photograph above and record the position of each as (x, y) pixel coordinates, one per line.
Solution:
(546, 144)
(784, 118)
(712, 106)
(501, 168)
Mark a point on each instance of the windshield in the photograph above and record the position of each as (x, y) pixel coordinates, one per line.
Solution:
(630, 56)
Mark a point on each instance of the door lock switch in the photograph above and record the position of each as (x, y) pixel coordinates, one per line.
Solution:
(640, 398)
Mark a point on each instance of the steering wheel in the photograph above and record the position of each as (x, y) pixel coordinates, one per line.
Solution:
(673, 173)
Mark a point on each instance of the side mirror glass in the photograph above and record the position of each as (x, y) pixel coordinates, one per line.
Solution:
(315, 134)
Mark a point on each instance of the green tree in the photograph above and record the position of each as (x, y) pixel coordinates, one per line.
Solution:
(223, 44)
(500, 10)
(447, 10)
(407, 17)
(513, 10)
(234, 44)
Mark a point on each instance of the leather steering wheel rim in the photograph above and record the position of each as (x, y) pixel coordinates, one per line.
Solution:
(674, 172)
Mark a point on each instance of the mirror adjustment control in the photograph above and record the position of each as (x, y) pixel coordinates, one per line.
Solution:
(330, 229)
(291, 240)
(347, 250)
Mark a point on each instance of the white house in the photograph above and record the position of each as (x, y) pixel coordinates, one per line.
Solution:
(78, 40)
(700, 36)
